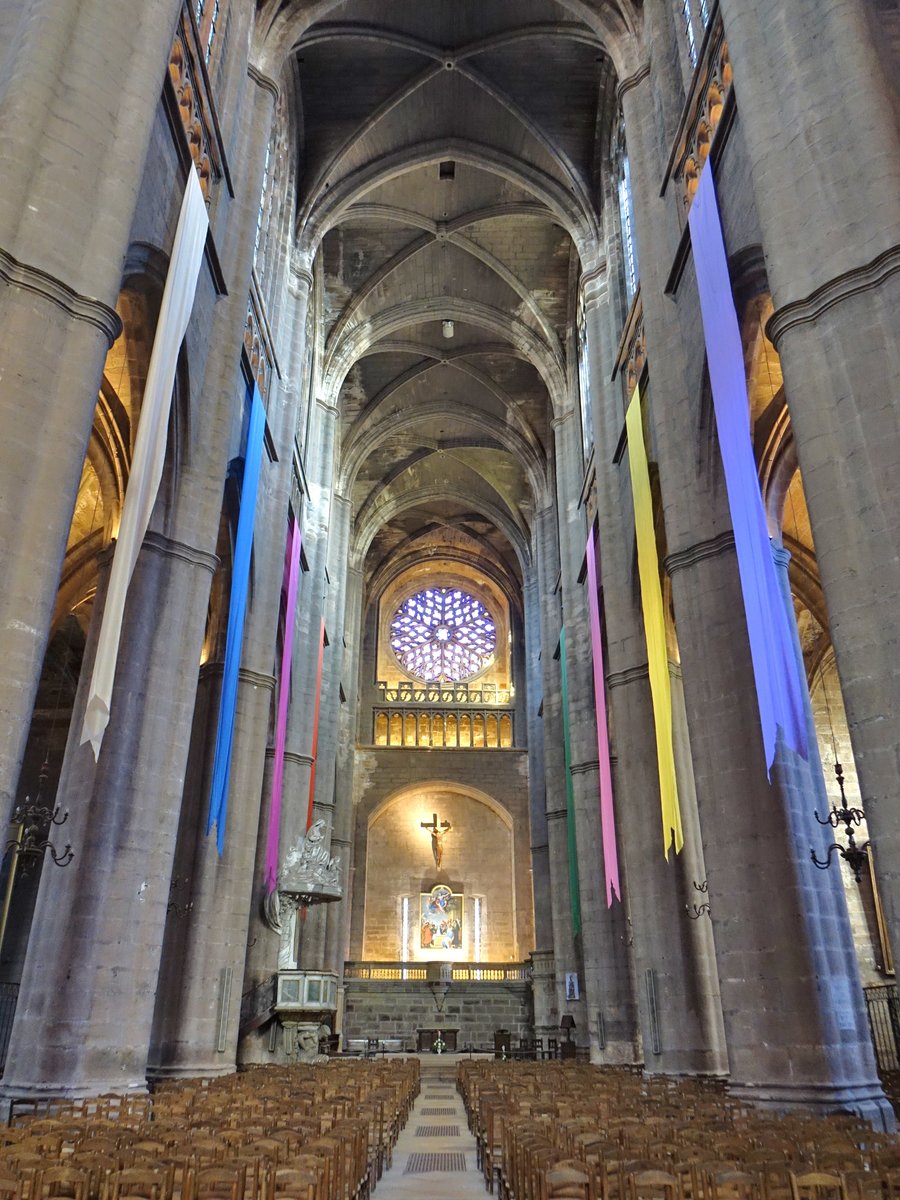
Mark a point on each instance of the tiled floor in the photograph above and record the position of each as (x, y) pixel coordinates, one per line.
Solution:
(434, 1158)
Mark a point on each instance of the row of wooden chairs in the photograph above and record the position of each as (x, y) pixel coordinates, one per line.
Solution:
(609, 1134)
(266, 1134)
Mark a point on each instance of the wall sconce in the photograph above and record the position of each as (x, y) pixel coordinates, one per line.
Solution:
(852, 854)
(447, 329)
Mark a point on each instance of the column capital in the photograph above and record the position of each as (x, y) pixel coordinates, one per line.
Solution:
(632, 81)
(56, 291)
(263, 81)
(805, 311)
(170, 548)
(679, 560)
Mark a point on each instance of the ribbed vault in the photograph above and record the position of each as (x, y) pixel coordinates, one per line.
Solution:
(450, 163)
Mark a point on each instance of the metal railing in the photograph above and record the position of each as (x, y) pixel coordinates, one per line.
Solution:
(883, 1008)
(444, 729)
(451, 694)
(402, 972)
(9, 995)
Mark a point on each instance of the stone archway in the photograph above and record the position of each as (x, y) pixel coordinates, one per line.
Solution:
(477, 865)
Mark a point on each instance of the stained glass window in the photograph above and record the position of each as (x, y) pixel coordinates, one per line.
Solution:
(443, 635)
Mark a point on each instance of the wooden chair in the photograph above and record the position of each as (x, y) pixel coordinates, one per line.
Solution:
(732, 1185)
(652, 1185)
(222, 1182)
(62, 1181)
(151, 1183)
(294, 1183)
(568, 1180)
(817, 1185)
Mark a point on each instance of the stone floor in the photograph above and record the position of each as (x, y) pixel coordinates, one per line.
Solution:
(434, 1158)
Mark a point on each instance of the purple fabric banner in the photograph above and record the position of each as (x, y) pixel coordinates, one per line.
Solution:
(607, 810)
(292, 574)
(779, 688)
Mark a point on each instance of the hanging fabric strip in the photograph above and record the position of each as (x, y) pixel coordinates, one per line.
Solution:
(292, 571)
(237, 608)
(574, 891)
(149, 449)
(607, 809)
(779, 688)
(315, 735)
(654, 624)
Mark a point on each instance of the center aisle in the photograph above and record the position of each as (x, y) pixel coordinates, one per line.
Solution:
(434, 1158)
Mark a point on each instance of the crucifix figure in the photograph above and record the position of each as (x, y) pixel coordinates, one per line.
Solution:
(437, 832)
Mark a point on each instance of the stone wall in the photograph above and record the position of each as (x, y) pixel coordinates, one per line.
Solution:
(398, 1010)
(496, 778)
(477, 862)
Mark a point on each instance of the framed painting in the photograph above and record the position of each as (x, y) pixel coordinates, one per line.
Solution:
(441, 919)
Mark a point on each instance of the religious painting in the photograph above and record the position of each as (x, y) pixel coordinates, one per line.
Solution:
(441, 919)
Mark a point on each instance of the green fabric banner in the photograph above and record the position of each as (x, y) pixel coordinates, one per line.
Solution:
(574, 893)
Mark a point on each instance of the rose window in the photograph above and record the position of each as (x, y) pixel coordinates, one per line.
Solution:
(443, 635)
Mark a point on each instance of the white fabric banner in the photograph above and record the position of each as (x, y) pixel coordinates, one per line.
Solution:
(149, 448)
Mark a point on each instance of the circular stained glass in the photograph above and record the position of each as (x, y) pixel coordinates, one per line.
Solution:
(443, 635)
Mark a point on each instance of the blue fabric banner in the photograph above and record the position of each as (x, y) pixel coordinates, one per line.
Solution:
(237, 608)
(779, 688)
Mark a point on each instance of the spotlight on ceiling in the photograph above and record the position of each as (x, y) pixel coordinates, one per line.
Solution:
(447, 329)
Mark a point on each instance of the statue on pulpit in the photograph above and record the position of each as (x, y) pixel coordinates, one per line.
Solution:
(437, 832)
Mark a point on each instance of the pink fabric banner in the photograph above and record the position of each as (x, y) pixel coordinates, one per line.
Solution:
(315, 735)
(607, 809)
(292, 572)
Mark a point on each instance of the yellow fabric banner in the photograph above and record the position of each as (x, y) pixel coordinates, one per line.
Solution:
(654, 624)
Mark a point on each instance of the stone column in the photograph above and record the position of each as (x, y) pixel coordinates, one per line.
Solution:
(78, 97)
(199, 994)
(565, 957)
(540, 863)
(337, 946)
(606, 1009)
(792, 1019)
(684, 1031)
(263, 941)
(311, 599)
(86, 1001)
(319, 917)
(818, 116)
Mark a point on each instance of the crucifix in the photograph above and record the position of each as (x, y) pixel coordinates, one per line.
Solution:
(437, 832)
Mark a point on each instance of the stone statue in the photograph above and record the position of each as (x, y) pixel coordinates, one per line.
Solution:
(302, 1039)
(310, 862)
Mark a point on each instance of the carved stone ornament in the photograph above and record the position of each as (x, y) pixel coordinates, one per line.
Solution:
(309, 865)
(302, 1039)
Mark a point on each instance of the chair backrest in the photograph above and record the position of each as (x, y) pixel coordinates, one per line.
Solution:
(817, 1185)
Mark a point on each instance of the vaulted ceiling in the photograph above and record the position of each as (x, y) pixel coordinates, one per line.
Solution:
(450, 157)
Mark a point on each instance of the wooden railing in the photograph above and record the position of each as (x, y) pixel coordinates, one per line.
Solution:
(709, 98)
(191, 107)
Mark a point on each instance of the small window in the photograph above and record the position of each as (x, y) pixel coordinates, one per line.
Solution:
(626, 219)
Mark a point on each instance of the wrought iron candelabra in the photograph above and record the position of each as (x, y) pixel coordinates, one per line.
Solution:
(852, 854)
(699, 910)
(33, 821)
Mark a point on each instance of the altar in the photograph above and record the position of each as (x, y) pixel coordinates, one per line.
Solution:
(426, 1039)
